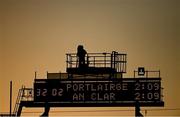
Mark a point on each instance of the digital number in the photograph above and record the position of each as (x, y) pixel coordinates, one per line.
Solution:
(151, 86)
(38, 92)
(57, 92)
(153, 96)
(41, 92)
(137, 87)
(44, 92)
(148, 96)
(156, 96)
(137, 96)
(156, 86)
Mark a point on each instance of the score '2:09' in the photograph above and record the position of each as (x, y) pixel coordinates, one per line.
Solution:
(151, 89)
(147, 96)
(148, 86)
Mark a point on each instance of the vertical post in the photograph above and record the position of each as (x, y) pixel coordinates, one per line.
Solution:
(145, 112)
(35, 75)
(94, 61)
(47, 74)
(19, 110)
(66, 60)
(111, 59)
(146, 72)
(60, 74)
(137, 109)
(104, 59)
(10, 107)
(114, 61)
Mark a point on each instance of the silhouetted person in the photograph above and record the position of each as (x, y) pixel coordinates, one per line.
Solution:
(81, 53)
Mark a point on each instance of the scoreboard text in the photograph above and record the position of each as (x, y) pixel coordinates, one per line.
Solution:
(98, 90)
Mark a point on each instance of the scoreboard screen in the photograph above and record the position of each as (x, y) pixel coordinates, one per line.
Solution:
(98, 90)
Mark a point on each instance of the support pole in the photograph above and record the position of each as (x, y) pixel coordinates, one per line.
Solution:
(35, 75)
(10, 110)
(19, 110)
(137, 110)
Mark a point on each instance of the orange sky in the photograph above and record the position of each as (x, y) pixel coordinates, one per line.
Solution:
(36, 34)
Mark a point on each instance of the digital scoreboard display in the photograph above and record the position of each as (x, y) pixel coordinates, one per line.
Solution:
(98, 90)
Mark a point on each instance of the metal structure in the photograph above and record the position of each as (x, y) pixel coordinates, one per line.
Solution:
(99, 92)
(98, 83)
(97, 64)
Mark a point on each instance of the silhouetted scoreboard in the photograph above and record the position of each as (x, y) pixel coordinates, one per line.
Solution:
(99, 92)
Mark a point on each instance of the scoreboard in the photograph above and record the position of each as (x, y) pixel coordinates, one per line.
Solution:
(94, 91)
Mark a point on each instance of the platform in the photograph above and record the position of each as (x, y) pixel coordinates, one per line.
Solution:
(84, 104)
(91, 70)
(97, 63)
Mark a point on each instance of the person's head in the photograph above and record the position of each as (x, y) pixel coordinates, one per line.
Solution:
(80, 47)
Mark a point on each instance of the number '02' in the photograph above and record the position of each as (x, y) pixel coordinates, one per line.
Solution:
(57, 92)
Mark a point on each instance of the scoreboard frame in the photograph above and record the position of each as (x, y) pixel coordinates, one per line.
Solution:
(99, 92)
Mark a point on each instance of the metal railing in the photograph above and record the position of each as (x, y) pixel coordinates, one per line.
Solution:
(147, 74)
(99, 60)
(24, 94)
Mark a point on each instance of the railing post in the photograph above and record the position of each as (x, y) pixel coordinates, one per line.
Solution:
(104, 59)
(94, 62)
(66, 60)
(35, 75)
